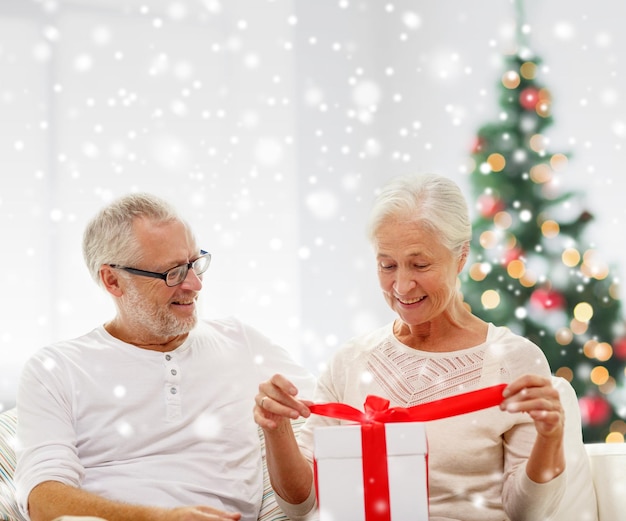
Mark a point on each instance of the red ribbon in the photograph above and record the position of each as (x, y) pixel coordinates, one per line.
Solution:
(373, 442)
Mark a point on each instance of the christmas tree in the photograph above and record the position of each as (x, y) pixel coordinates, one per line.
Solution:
(530, 266)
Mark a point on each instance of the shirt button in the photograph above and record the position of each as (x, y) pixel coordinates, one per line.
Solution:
(168, 357)
(174, 372)
(173, 390)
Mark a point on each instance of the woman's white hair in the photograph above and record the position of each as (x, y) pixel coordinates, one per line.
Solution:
(430, 199)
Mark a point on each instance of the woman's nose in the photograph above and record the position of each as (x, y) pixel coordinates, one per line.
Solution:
(404, 282)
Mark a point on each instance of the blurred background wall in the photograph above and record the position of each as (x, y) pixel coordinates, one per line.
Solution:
(271, 123)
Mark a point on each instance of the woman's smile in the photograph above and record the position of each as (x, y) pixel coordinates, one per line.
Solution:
(409, 302)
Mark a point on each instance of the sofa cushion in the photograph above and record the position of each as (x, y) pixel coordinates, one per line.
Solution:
(8, 507)
(270, 511)
(608, 466)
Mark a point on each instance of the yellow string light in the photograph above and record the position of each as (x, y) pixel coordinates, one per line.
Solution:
(570, 257)
(565, 372)
(490, 299)
(618, 426)
(503, 220)
(479, 270)
(550, 229)
(511, 80)
(528, 70)
(583, 312)
(543, 109)
(614, 437)
(599, 375)
(578, 327)
(488, 239)
(564, 336)
(496, 162)
(589, 348)
(603, 351)
(516, 269)
(593, 266)
(559, 162)
(538, 143)
(614, 290)
(541, 173)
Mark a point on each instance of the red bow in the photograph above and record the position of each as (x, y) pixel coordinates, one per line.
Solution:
(377, 409)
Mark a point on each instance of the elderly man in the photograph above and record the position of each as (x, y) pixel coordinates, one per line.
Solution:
(148, 416)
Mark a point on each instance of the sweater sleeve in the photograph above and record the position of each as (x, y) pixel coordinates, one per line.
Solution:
(525, 500)
(522, 498)
(305, 511)
(46, 449)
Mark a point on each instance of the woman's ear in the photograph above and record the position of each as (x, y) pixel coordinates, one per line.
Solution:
(463, 256)
(110, 280)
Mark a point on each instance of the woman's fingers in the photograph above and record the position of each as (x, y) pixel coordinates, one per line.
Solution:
(277, 399)
(535, 396)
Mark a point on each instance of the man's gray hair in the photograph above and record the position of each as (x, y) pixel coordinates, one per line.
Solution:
(109, 237)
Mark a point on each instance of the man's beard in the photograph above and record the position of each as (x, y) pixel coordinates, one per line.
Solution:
(157, 321)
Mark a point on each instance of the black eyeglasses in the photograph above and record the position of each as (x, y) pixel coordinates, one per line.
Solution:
(176, 275)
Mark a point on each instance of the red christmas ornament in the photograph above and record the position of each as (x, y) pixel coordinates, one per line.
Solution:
(528, 98)
(488, 205)
(511, 255)
(477, 146)
(594, 410)
(619, 348)
(547, 299)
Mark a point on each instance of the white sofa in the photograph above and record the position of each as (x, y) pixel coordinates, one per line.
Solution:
(608, 469)
(595, 471)
(601, 465)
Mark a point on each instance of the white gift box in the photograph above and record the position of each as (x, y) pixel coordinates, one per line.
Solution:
(340, 487)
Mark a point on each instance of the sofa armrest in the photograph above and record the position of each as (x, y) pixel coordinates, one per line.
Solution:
(608, 468)
(8, 506)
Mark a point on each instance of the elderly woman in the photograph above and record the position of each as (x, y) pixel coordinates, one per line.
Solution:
(493, 464)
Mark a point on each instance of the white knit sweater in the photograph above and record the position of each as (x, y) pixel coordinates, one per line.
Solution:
(476, 460)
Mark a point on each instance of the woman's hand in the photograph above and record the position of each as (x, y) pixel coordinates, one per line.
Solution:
(536, 396)
(276, 401)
